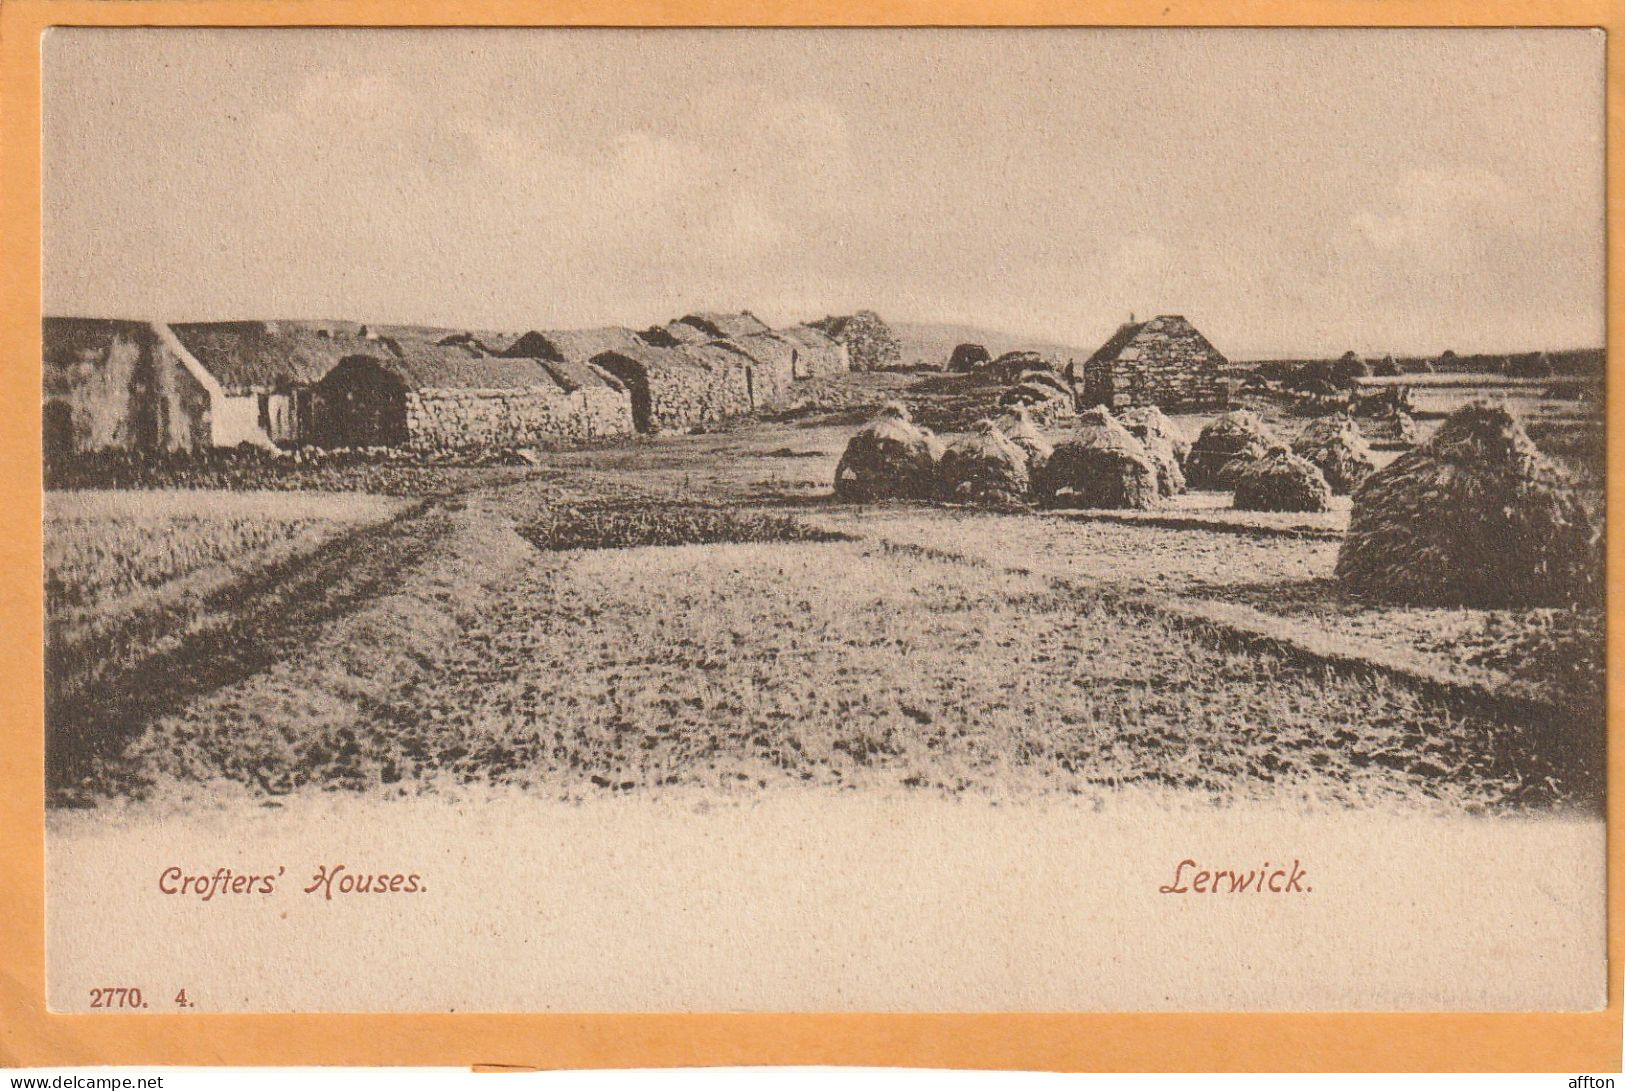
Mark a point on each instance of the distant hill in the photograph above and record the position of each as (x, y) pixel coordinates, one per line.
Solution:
(929, 344)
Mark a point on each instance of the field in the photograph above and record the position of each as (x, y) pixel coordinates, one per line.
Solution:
(697, 612)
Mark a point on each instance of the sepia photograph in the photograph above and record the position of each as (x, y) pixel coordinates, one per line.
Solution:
(824, 520)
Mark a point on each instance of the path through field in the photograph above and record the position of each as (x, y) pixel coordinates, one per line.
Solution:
(997, 655)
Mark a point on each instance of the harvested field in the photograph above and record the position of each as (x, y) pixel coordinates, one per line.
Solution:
(102, 545)
(843, 664)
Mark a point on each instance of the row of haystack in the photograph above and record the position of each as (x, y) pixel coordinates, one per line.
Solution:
(1238, 451)
(1102, 463)
(893, 458)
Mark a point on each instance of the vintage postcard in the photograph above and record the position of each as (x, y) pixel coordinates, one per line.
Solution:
(845, 520)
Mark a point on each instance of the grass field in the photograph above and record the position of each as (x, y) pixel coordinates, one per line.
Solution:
(105, 544)
(698, 613)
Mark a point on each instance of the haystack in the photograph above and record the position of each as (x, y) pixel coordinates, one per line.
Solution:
(1163, 443)
(1101, 466)
(1281, 481)
(1475, 516)
(1335, 445)
(1242, 461)
(1046, 394)
(985, 467)
(1017, 426)
(1404, 427)
(1147, 420)
(968, 357)
(890, 458)
(1223, 439)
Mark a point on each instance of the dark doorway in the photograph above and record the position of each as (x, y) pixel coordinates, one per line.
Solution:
(360, 404)
(636, 380)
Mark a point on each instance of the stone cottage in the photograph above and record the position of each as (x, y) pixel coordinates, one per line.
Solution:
(153, 386)
(817, 354)
(266, 371)
(1164, 362)
(772, 360)
(679, 386)
(447, 397)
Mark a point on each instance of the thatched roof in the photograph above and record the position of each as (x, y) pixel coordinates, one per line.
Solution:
(1125, 343)
(1116, 343)
(709, 357)
(260, 356)
(1475, 516)
(681, 333)
(437, 367)
(890, 458)
(572, 345)
(1281, 481)
(985, 467)
(807, 337)
(767, 348)
(716, 325)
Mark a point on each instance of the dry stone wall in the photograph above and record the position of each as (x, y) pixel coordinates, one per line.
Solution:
(682, 396)
(451, 419)
(1168, 364)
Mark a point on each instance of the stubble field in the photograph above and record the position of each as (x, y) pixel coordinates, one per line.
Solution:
(696, 612)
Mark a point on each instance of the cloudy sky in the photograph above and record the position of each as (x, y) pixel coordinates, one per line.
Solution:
(1289, 191)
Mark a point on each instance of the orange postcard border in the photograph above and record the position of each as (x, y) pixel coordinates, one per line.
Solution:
(31, 1036)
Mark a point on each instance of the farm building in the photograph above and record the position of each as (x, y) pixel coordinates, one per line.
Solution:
(772, 360)
(1164, 362)
(682, 385)
(448, 397)
(160, 387)
(113, 384)
(870, 343)
(817, 355)
(266, 371)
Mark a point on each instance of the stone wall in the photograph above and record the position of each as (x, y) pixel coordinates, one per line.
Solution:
(683, 396)
(449, 419)
(1168, 364)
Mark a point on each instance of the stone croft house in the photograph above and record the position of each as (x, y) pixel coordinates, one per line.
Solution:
(704, 368)
(1164, 362)
(155, 386)
(682, 385)
(152, 386)
(181, 386)
(445, 397)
